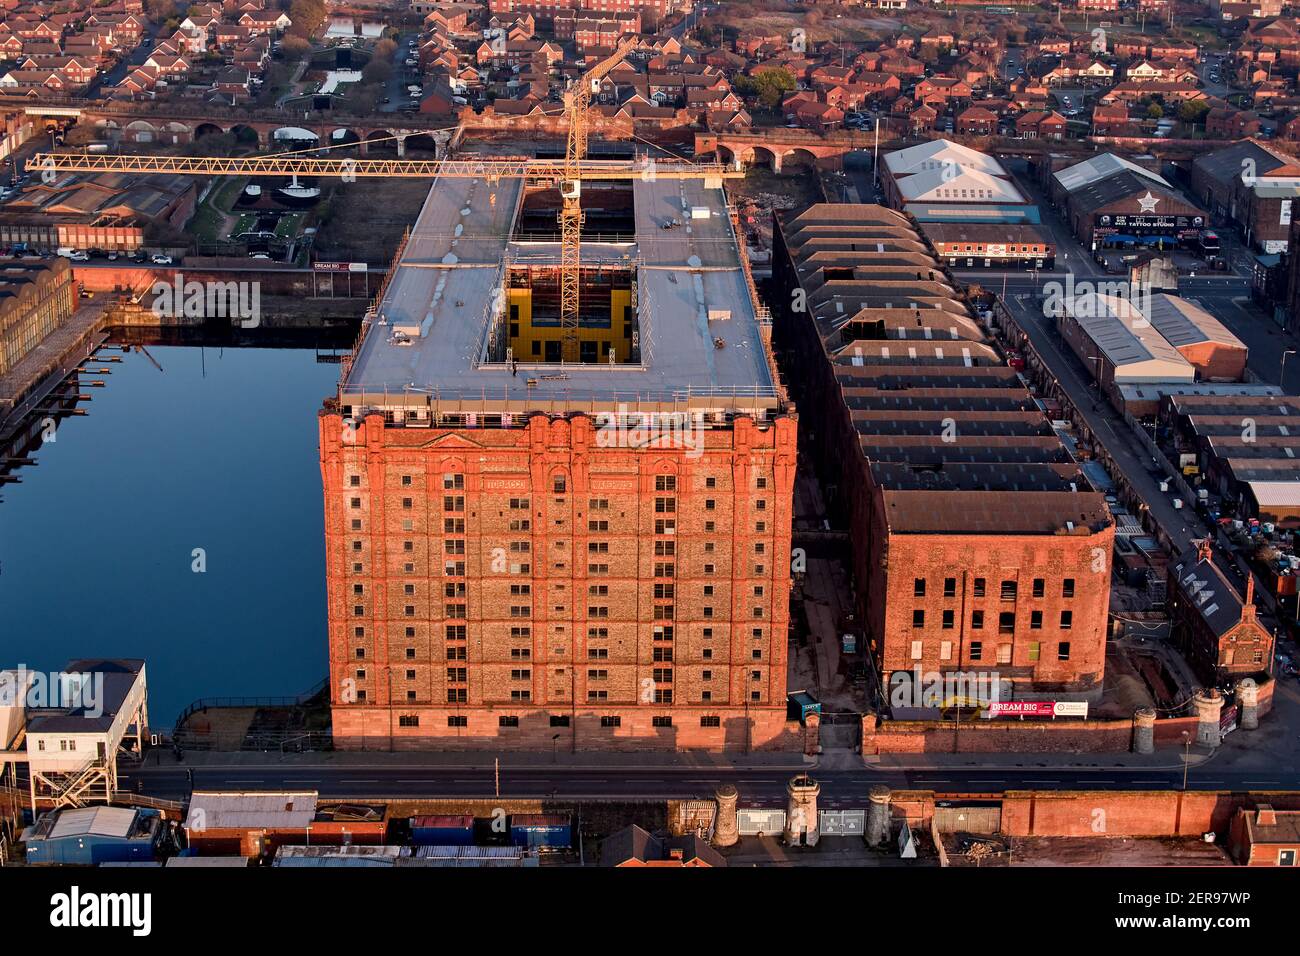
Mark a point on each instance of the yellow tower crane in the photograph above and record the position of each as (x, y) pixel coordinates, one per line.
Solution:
(577, 103)
(568, 174)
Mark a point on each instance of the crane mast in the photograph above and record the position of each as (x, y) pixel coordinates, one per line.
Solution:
(577, 103)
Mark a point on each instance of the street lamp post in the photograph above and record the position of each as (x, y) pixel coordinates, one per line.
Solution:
(1187, 757)
(1282, 380)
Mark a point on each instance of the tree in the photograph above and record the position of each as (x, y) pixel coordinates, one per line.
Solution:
(308, 16)
(377, 71)
(769, 85)
(385, 49)
(1155, 111)
(1193, 111)
(295, 47)
(159, 9)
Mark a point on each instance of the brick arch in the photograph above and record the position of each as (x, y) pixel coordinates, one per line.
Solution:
(800, 156)
(242, 131)
(350, 137)
(769, 156)
(140, 131)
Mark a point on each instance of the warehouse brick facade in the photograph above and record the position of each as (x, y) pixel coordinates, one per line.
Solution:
(505, 586)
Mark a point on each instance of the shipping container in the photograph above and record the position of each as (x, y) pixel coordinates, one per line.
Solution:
(452, 830)
(541, 831)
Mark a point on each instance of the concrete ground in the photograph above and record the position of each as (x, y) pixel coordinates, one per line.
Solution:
(820, 666)
(1110, 851)
(829, 851)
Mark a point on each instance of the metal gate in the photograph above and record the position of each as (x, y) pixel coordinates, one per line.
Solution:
(987, 820)
(842, 822)
(754, 822)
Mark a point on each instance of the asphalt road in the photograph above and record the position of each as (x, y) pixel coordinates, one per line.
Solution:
(765, 786)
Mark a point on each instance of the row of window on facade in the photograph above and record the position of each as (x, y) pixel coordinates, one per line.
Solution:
(608, 721)
(1009, 590)
(975, 650)
(559, 486)
(1006, 620)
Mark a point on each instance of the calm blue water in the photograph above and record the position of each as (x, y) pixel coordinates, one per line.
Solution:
(216, 452)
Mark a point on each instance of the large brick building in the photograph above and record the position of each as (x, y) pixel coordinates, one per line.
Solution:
(1252, 185)
(1216, 628)
(525, 553)
(978, 545)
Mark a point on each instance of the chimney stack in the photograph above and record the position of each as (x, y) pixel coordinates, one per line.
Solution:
(1265, 816)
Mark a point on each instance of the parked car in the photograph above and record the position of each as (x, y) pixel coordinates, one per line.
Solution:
(161, 260)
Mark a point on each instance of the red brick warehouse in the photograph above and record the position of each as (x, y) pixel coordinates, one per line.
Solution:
(512, 559)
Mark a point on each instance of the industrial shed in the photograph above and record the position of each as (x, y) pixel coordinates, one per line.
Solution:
(1215, 353)
(1118, 344)
(940, 173)
(1111, 202)
(1275, 501)
(254, 823)
(85, 836)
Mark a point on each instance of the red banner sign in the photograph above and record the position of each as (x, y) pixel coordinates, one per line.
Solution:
(1021, 708)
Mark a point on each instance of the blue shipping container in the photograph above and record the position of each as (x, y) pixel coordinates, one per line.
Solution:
(442, 831)
(539, 830)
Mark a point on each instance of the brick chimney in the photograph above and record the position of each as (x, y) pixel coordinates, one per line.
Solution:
(1248, 606)
(1265, 816)
(1203, 550)
(676, 853)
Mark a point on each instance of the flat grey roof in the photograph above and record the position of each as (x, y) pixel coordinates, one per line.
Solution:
(1185, 323)
(700, 337)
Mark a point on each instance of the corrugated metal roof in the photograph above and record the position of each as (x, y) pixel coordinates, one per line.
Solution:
(940, 154)
(208, 862)
(968, 185)
(1185, 323)
(315, 856)
(1127, 338)
(1099, 167)
(250, 811)
(467, 852)
(1276, 494)
(93, 821)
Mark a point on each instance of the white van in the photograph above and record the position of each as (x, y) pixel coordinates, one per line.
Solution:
(65, 251)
